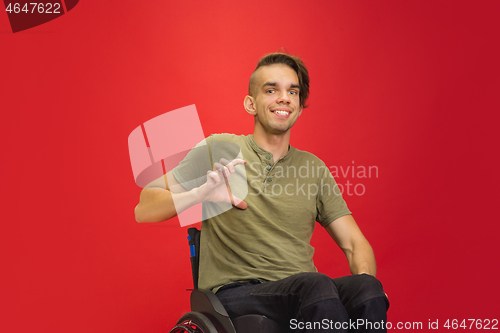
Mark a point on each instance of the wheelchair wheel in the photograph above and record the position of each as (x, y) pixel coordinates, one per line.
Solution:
(194, 322)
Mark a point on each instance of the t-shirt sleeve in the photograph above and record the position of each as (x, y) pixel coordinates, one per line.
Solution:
(192, 170)
(330, 204)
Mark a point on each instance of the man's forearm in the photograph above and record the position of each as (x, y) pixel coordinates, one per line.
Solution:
(157, 205)
(361, 259)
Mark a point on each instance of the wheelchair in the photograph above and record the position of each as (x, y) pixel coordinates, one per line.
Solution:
(207, 312)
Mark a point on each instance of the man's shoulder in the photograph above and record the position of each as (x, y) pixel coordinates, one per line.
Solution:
(228, 146)
(226, 136)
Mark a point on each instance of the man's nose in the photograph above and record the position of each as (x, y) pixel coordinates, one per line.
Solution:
(283, 97)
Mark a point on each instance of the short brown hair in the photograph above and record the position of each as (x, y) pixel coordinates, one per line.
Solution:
(291, 61)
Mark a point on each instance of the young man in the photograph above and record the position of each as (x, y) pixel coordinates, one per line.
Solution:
(256, 256)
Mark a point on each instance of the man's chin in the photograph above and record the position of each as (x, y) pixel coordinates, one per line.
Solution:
(280, 130)
(277, 129)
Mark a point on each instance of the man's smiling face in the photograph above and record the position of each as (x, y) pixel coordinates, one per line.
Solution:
(275, 97)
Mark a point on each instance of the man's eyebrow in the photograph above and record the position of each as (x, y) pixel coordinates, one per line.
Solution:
(274, 84)
(269, 84)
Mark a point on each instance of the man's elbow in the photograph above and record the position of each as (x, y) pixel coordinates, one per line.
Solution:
(140, 215)
(143, 209)
(144, 214)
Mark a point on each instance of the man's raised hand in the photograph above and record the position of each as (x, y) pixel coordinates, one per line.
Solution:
(217, 189)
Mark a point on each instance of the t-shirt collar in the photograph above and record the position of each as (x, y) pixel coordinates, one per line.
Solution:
(259, 150)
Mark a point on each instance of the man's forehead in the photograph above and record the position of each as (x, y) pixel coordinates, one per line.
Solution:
(276, 74)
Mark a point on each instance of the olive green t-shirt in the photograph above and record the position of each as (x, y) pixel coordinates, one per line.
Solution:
(270, 239)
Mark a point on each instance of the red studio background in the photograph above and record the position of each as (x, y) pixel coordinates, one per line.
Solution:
(409, 88)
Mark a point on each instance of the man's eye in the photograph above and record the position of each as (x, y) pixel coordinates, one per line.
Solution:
(270, 91)
(293, 92)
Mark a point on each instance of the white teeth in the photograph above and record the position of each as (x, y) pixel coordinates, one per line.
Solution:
(283, 113)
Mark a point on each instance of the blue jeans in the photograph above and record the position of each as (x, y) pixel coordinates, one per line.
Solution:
(312, 302)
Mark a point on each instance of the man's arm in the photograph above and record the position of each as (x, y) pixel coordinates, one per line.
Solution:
(167, 197)
(345, 232)
(157, 204)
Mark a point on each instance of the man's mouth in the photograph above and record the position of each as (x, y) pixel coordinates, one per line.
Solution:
(281, 113)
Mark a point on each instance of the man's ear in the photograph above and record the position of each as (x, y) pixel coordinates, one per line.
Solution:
(249, 105)
(300, 110)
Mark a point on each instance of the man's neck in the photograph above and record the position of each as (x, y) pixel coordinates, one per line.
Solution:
(276, 144)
